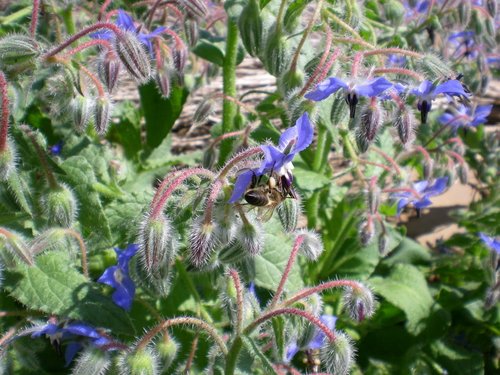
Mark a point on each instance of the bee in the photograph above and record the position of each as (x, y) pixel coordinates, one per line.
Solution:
(266, 197)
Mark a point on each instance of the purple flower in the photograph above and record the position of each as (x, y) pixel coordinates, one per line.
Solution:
(353, 89)
(395, 60)
(126, 23)
(278, 159)
(491, 242)
(420, 194)
(466, 116)
(76, 335)
(315, 343)
(427, 92)
(56, 149)
(118, 277)
(465, 44)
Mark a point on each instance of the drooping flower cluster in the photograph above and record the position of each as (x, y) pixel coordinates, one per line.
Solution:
(419, 195)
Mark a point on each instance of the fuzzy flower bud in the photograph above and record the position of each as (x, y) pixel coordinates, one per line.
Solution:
(167, 349)
(464, 12)
(163, 81)
(276, 55)
(102, 114)
(359, 302)
(373, 198)
(194, 8)
(191, 30)
(395, 11)
(405, 124)
(311, 245)
(60, 206)
(492, 6)
(154, 242)
(141, 362)
(288, 213)
(51, 239)
(338, 355)
(383, 243)
(428, 168)
(133, 56)
(15, 245)
(434, 67)
(7, 160)
(251, 236)
(463, 173)
(109, 69)
(18, 54)
(250, 25)
(81, 108)
(371, 119)
(366, 231)
(203, 111)
(202, 241)
(91, 361)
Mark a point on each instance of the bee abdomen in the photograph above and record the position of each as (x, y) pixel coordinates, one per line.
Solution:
(256, 198)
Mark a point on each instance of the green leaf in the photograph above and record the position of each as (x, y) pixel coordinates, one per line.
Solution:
(128, 131)
(408, 251)
(457, 360)
(80, 175)
(20, 190)
(309, 180)
(406, 289)
(210, 52)
(269, 265)
(255, 351)
(160, 112)
(293, 12)
(54, 287)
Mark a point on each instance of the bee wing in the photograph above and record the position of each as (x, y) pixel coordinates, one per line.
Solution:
(266, 213)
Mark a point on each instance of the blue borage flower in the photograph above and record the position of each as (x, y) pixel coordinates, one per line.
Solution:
(395, 60)
(420, 194)
(353, 89)
(466, 116)
(118, 277)
(414, 9)
(76, 335)
(278, 159)
(315, 343)
(491, 242)
(465, 44)
(427, 92)
(56, 149)
(125, 22)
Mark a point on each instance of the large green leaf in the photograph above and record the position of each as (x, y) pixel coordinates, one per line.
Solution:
(269, 265)
(55, 287)
(406, 289)
(160, 112)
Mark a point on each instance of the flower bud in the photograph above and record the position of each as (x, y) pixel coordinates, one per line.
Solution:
(194, 8)
(7, 160)
(154, 242)
(383, 244)
(157, 282)
(338, 355)
(451, 176)
(210, 157)
(102, 114)
(167, 349)
(60, 206)
(359, 302)
(251, 236)
(464, 13)
(191, 30)
(428, 168)
(288, 213)
(18, 54)
(109, 69)
(373, 199)
(361, 141)
(276, 55)
(226, 220)
(311, 245)
(163, 81)
(339, 109)
(133, 56)
(371, 119)
(250, 25)
(202, 241)
(232, 253)
(492, 6)
(405, 124)
(477, 22)
(395, 12)
(91, 361)
(203, 111)
(290, 81)
(139, 362)
(51, 239)
(366, 231)
(180, 55)
(81, 108)
(16, 246)
(434, 67)
(463, 173)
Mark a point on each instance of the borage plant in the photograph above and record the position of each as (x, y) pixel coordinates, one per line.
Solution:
(118, 256)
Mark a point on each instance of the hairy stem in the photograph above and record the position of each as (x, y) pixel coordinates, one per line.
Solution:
(4, 121)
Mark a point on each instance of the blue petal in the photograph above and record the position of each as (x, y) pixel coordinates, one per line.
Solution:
(326, 88)
(49, 329)
(108, 277)
(71, 350)
(103, 34)
(451, 87)
(288, 136)
(402, 203)
(491, 242)
(274, 159)
(124, 21)
(124, 256)
(481, 114)
(81, 329)
(422, 203)
(373, 88)
(424, 89)
(420, 186)
(438, 187)
(240, 186)
(124, 293)
(157, 31)
(449, 120)
(319, 337)
(461, 34)
(291, 350)
(305, 133)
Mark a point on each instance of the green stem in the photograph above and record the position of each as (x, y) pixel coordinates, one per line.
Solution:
(16, 15)
(320, 149)
(229, 87)
(232, 355)
(279, 18)
(67, 16)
